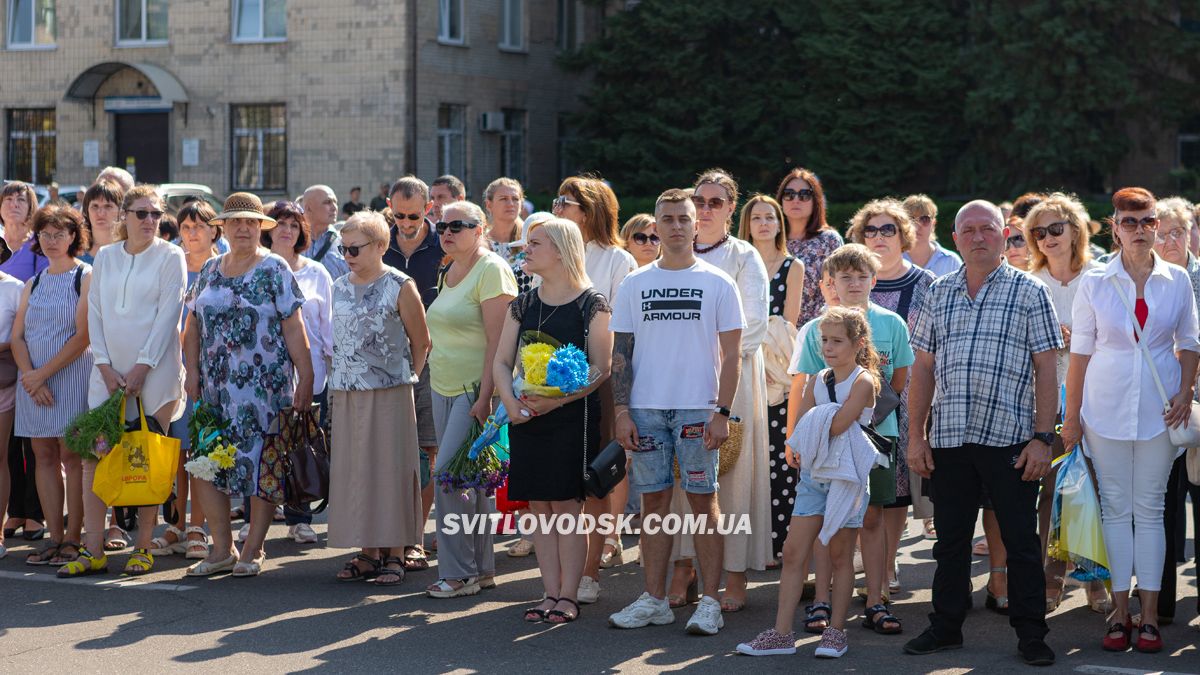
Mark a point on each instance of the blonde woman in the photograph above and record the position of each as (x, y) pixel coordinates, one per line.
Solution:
(926, 252)
(502, 199)
(641, 239)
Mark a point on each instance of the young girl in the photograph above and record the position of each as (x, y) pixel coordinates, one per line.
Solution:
(846, 347)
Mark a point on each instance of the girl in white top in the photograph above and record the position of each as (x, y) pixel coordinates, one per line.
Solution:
(1112, 401)
(134, 303)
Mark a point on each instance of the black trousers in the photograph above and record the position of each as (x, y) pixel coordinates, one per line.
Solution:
(960, 475)
(1175, 524)
(23, 501)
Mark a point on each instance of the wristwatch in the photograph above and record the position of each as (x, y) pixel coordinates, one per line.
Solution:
(722, 410)
(1046, 437)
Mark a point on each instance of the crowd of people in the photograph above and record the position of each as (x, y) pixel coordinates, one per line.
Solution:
(767, 369)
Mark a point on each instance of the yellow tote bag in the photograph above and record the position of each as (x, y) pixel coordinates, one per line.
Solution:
(140, 470)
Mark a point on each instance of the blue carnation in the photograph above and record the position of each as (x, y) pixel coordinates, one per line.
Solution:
(568, 369)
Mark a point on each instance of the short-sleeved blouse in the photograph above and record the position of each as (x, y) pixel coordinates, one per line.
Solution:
(370, 344)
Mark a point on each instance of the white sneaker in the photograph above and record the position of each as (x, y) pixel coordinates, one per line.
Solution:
(707, 619)
(243, 533)
(644, 611)
(302, 533)
(589, 591)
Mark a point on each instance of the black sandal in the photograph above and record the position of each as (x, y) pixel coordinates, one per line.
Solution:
(387, 571)
(538, 615)
(817, 617)
(357, 573)
(44, 556)
(564, 617)
(875, 622)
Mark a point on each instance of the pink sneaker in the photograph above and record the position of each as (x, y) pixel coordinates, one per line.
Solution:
(770, 642)
(833, 644)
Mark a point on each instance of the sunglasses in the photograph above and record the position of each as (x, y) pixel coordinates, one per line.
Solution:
(408, 216)
(1053, 230)
(455, 226)
(924, 220)
(804, 195)
(885, 230)
(713, 203)
(561, 201)
(352, 251)
(1015, 241)
(1130, 224)
(642, 239)
(142, 215)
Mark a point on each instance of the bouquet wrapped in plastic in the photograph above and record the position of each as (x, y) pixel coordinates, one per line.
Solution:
(483, 469)
(1075, 532)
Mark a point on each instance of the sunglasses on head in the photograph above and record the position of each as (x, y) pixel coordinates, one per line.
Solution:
(352, 251)
(1130, 224)
(407, 216)
(642, 238)
(142, 215)
(885, 230)
(1053, 230)
(1015, 241)
(455, 226)
(561, 201)
(804, 194)
(713, 203)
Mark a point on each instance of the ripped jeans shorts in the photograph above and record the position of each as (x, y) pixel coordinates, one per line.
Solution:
(667, 436)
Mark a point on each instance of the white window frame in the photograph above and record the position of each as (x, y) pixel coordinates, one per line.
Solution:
(143, 41)
(259, 134)
(444, 35)
(507, 6)
(33, 137)
(445, 138)
(236, 7)
(33, 44)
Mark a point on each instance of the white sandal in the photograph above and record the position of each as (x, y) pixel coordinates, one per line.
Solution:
(250, 569)
(207, 569)
(617, 557)
(160, 545)
(443, 589)
(196, 549)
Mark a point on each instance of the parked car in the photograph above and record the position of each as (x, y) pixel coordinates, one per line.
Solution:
(175, 195)
(72, 194)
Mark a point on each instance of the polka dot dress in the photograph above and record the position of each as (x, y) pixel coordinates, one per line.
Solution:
(783, 477)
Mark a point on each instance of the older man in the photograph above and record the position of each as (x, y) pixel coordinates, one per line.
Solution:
(988, 341)
(321, 210)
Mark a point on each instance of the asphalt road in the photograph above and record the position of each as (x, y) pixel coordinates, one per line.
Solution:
(297, 618)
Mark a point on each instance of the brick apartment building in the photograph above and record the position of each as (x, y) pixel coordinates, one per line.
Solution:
(274, 95)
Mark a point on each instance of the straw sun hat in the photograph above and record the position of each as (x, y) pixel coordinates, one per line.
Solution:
(244, 205)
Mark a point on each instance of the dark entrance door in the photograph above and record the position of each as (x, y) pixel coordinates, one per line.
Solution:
(143, 146)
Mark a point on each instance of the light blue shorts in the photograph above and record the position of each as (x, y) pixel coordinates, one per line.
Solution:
(666, 436)
(810, 500)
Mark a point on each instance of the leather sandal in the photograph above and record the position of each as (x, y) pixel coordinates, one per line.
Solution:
(62, 558)
(356, 573)
(414, 559)
(42, 557)
(207, 569)
(537, 614)
(559, 616)
(196, 549)
(385, 571)
(163, 546)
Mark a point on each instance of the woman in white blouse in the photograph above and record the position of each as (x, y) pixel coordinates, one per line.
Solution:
(134, 303)
(1113, 403)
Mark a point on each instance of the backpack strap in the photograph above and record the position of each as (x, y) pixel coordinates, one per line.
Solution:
(829, 385)
(37, 279)
(324, 248)
(78, 280)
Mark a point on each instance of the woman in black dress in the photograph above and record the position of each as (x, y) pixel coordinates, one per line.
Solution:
(551, 439)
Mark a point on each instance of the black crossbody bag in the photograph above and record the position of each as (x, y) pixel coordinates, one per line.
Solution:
(607, 469)
(881, 442)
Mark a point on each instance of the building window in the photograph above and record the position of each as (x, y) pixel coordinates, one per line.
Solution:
(512, 25)
(30, 24)
(259, 20)
(450, 22)
(259, 147)
(568, 25)
(141, 22)
(452, 140)
(512, 145)
(566, 141)
(31, 145)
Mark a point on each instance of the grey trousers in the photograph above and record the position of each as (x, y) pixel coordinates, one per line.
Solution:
(459, 555)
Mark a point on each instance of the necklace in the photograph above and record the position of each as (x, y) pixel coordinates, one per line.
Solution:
(542, 304)
(707, 249)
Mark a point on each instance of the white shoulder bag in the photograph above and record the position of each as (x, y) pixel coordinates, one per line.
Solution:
(1181, 436)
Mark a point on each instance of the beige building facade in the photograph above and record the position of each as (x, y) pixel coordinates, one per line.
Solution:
(274, 95)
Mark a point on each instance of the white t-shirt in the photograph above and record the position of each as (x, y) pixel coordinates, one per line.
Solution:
(10, 298)
(675, 317)
(607, 267)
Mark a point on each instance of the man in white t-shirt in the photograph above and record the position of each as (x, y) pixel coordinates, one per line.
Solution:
(677, 327)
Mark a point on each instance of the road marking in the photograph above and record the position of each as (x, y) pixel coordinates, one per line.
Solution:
(1111, 670)
(98, 581)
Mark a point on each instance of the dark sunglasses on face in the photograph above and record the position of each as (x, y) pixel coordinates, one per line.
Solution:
(352, 251)
(408, 216)
(142, 215)
(1130, 224)
(1053, 230)
(455, 226)
(642, 238)
(886, 230)
(804, 195)
(1015, 241)
(924, 220)
(713, 203)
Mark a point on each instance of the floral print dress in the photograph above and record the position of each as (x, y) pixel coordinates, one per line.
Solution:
(813, 252)
(245, 369)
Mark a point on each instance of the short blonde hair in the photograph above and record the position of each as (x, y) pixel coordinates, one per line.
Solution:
(1069, 209)
(638, 223)
(883, 207)
(1176, 208)
(568, 240)
(370, 223)
(920, 205)
(852, 257)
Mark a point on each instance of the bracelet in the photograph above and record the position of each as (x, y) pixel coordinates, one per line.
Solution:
(619, 413)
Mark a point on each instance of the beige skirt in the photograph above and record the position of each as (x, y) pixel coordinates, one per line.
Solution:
(374, 473)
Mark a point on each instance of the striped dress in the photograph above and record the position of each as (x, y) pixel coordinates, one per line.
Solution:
(49, 323)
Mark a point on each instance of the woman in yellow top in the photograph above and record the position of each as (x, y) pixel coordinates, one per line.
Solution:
(469, 312)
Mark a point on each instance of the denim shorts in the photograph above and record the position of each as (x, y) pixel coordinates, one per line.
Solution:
(667, 436)
(810, 500)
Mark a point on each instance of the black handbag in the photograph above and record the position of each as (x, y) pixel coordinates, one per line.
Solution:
(306, 466)
(882, 444)
(607, 469)
(886, 402)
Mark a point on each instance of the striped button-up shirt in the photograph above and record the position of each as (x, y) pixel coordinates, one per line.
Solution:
(982, 349)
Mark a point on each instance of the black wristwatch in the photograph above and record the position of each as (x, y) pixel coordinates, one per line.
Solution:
(1046, 437)
(722, 410)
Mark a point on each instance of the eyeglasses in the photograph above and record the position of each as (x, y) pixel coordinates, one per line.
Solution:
(924, 220)
(455, 226)
(1130, 224)
(642, 239)
(885, 230)
(1015, 241)
(804, 195)
(1174, 234)
(1053, 230)
(142, 215)
(713, 203)
(560, 202)
(353, 251)
(47, 236)
(409, 216)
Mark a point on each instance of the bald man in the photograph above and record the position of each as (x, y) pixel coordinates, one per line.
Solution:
(321, 211)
